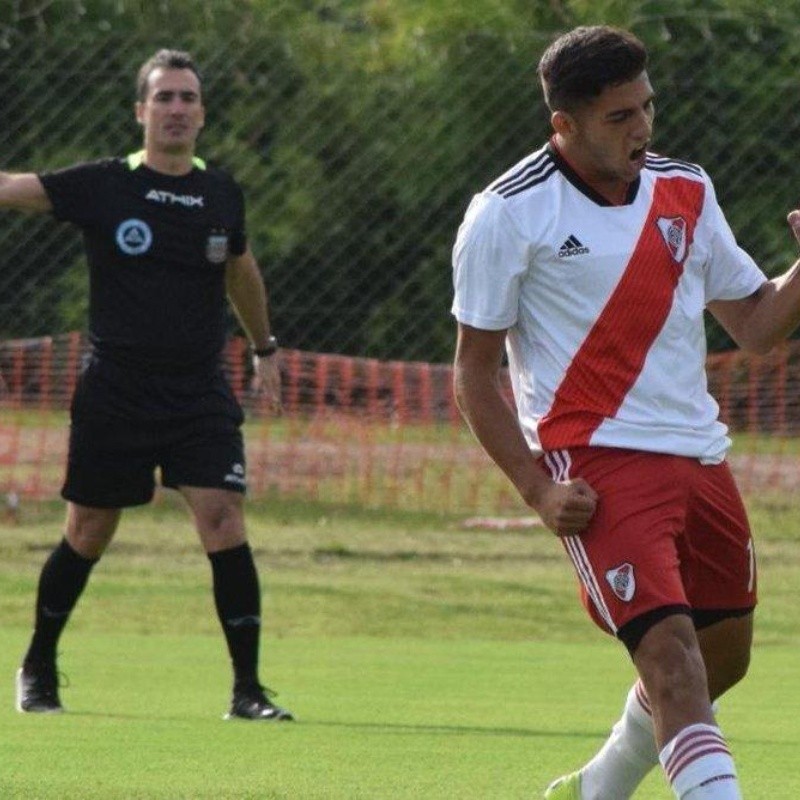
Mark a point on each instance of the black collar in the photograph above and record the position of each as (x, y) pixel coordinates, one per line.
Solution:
(585, 188)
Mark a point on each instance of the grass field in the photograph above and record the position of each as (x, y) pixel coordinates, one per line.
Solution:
(421, 659)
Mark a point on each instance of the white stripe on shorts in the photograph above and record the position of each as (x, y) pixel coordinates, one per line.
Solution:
(559, 463)
(577, 553)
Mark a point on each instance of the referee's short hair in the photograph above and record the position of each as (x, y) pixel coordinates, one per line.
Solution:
(578, 65)
(163, 59)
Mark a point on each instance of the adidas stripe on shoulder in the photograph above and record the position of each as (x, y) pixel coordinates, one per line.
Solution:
(664, 164)
(529, 173)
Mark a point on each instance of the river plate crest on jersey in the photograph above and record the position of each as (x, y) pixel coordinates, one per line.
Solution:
(673, 229)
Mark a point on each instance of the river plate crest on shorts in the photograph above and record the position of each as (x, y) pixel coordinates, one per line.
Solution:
(673, 229)
(622, 581)
(217, 248)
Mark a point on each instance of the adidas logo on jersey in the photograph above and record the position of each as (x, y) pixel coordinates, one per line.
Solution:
(572, 247)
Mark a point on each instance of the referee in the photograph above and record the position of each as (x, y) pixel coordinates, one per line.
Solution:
(165, 242)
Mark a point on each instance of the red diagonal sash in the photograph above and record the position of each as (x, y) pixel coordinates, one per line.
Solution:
(613, 353)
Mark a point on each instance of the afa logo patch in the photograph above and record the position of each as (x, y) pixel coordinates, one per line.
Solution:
(622, 581)
(217, 248)
(134, 237)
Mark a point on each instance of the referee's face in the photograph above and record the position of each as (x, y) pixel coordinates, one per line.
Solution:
(172, 112)
(607, 139)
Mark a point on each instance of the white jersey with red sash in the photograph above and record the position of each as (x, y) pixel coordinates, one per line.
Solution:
(603, 303)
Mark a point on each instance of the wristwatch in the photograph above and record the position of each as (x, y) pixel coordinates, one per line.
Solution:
(269, 349)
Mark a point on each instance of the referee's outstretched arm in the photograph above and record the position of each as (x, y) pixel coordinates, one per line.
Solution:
(23, 191)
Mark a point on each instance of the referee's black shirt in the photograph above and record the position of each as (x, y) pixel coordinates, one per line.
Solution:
(157, 246)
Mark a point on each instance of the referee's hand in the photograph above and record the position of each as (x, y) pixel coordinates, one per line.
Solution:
(267, 382)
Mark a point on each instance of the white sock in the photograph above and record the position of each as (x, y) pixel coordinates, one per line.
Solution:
(699, 765)
(628, 754)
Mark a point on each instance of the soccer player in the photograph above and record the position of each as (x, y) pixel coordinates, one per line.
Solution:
(591, 262)
(165, 241)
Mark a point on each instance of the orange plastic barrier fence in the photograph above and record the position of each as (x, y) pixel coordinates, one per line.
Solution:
(378, 434)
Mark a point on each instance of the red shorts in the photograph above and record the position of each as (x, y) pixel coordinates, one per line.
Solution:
(670, 535)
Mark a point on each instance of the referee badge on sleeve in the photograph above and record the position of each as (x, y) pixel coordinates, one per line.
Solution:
(217, 247)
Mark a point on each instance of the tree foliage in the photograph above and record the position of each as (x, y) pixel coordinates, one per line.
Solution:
(360, 129)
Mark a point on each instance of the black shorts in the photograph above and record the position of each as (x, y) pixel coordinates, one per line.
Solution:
(113, 458)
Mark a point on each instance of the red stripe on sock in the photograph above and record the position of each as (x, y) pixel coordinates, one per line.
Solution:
(685, 741)
(674, 769)
(641, 696)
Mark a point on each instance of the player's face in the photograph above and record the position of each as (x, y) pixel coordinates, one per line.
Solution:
(607, 139)
(172, 113)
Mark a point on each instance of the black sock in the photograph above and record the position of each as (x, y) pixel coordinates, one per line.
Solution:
(238, 599)
(61, 582)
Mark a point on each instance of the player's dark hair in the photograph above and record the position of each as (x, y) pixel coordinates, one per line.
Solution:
(164, 59)
(577, 66)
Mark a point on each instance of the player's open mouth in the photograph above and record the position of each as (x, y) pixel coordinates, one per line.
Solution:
(639, 153)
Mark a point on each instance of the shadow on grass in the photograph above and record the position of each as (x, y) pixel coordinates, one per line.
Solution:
(470, 730)
(389, 728)
(386, 728)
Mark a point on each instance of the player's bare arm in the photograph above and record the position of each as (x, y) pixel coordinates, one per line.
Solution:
(23, 191)
(248, 296)
(565, 508)
(764, 319)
